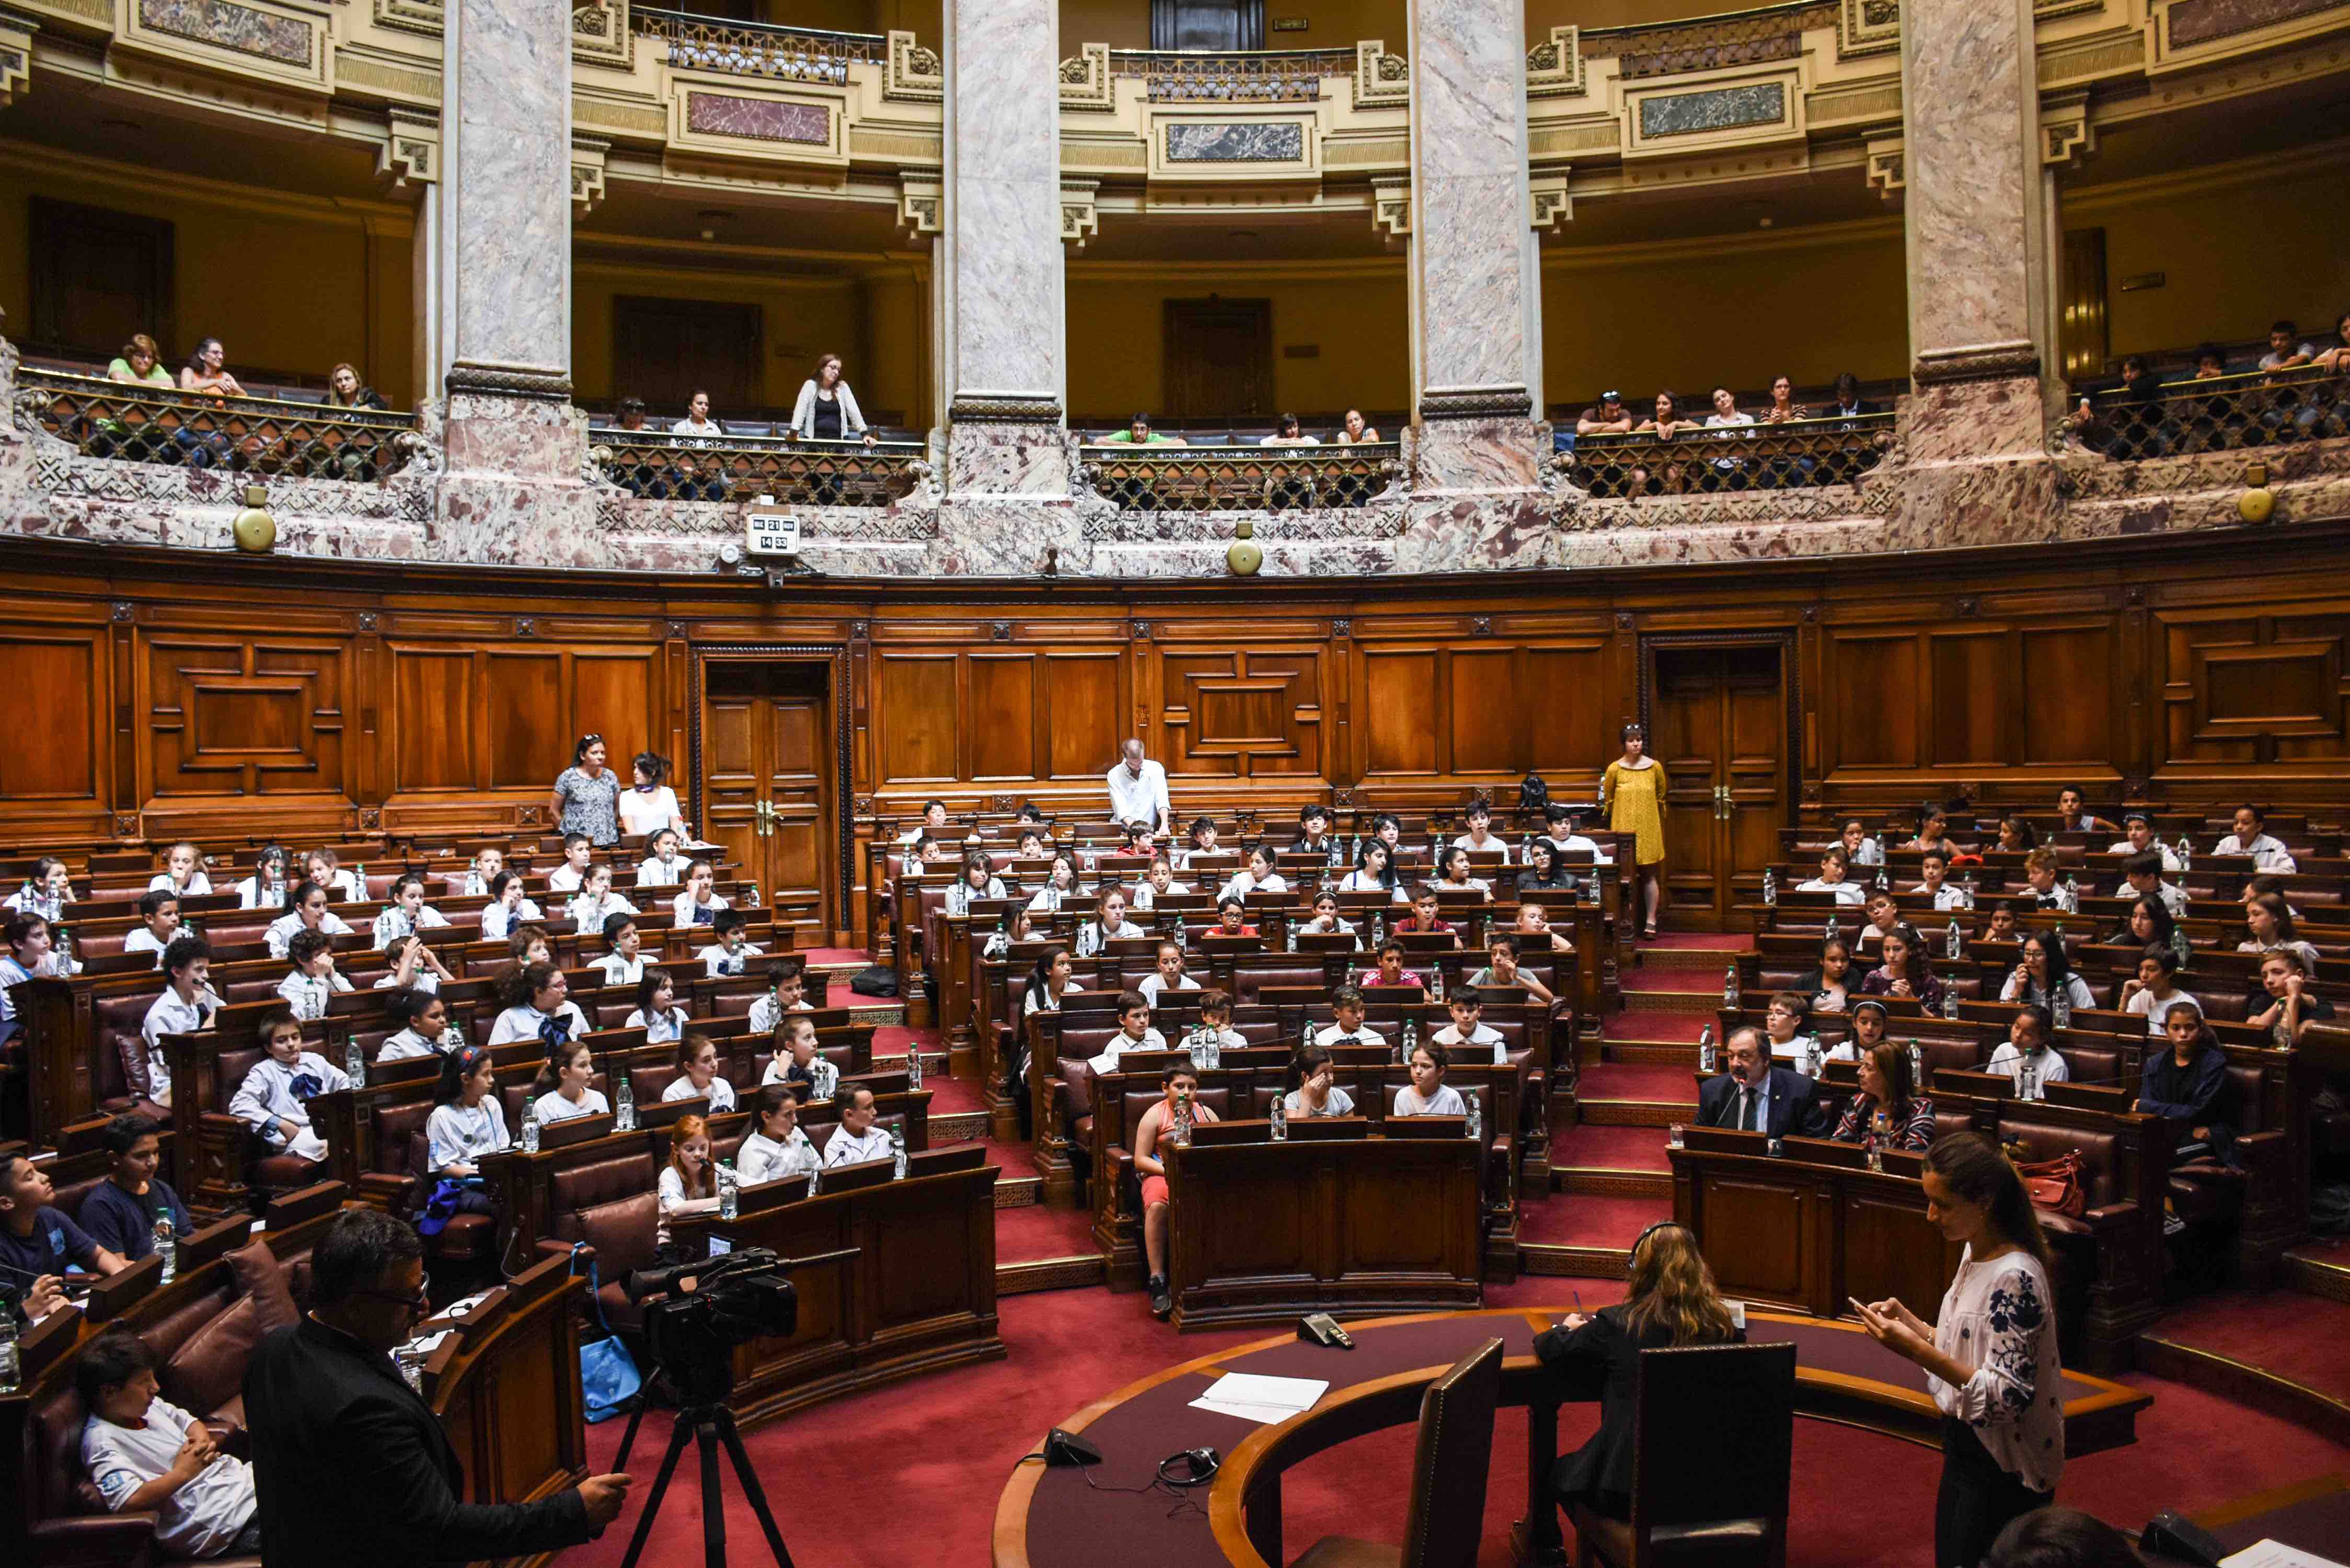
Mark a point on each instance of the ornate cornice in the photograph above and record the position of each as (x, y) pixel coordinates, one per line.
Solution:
(504, 381)
(1976, 362)
(1005, 407)
(1477, 403)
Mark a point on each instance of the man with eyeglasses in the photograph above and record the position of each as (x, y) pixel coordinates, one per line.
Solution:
(352, 1467)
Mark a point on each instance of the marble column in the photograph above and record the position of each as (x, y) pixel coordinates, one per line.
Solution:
(999, 253)
(513, 446)
(1977, 208)
(1476, 301)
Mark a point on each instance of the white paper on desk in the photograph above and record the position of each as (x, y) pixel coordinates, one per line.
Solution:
(2276, 1554)
(1291, 1394)
(1263, 1415)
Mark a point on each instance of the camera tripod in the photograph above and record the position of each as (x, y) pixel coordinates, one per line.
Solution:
(709, 1425)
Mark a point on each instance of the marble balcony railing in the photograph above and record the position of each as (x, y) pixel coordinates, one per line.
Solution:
(2214, 414)
(1241, 479)
(263, 437)
(659, 466)
(1795, 455)
(757, 48)
(1256, 76)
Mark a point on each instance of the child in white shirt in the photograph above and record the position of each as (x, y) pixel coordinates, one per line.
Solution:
(730, 953)
(305, 910)
(276, 1094)
(1135, 1033)
(324, 868)
(1347, 1001)
(2025, 1055)
(507, 907)
(778, 1148)
(662, 869)
(657, 1011)
(159, 908)
(787, 985)
(408, 912)
(424, 1020)
(144, 1453)
(796, 1064)
(45, 892)
(1467, 1028)
(484, 871)
(595, 902)
(1158, 883)
(561, 1088)
(569, 876)
(186, 1007)
(265, 889)
(625, 964)
(697, 905)
(313, 978)
(1428, 1094)
(183, 873)
(414, 967)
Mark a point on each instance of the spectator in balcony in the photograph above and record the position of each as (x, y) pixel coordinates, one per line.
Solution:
(697, 421)
(1729, 472)
(2282, 354)
(1137, 433)
(346, 390)
(1665, 424)
(354, 452)
(1286, 432)
(141, 363)
(825, 408)
(1783, 406)
(2130, 425)
(1606, 417)
(690, 480)
(206, 370)
(1784, 410)
(1355, 432)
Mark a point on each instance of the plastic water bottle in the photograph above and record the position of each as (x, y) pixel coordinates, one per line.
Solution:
(355, 1061)
(166, 1243)
(1215, 1042)
(1834, 933)
(913, 1065)
(1917, 1067)
(2181, 945)
(453, 1039)
(1280, 1119)
(1411, 1036)
(624, 1106)
(1436, 982)
(2071, 894)
(1883, 881)
(1950, 1003)
(2186, 853)
(1770, 886)
(11, 1364)
(1705, 1049)
(1334, 852)
(530, 1129)
(1967, 889)
(1501, 1053)
(1182, 1121)
(897, 1155)
(1526, 849)
(2061, 1007)
(1876, 1157)
(1954, 941)
(730, 1190)
(1474, 1124)
(1812, 1056)
(750, 894)
(1729, 986)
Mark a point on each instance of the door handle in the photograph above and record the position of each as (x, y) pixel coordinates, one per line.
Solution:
(763, 818)
(1721, 803)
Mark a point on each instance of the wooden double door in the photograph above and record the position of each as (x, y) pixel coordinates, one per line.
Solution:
(770, 764)
(1718, 722)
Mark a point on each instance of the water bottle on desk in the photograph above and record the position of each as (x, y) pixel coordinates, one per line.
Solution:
(1474, 1124)
(624, 1104)
(11, 1364)
(1770, 886)
(1917, 1067)
(1950, 1002)
(1182, 1121)
(1501, 1053)
(897, 1155)
(355, 1061)
(2061, 1006)
(1729, 986)
(1705, 1062)
(167, 1244)
(1954, 941)
(913, 1065)
(2071, 905)
(2185, 854)
(530, 1129)
(1280, 1118)
(1812, 1056)
(2181, 945)
(1411, 1036)
(730, 1190)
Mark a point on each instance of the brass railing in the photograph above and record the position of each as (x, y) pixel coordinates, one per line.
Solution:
(2219, 413)
(1255, 75)
(663, 467)
(144, 423)
(1705, 43)
(758, 49)
(1798, 454)
(1239, 479)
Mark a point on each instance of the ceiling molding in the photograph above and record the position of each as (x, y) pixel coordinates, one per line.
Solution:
(55, 165)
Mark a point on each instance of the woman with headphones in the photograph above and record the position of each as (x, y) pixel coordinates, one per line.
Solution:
(1671, 1301)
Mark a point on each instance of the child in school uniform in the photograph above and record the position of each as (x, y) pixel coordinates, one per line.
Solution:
(407, 913)
(186, 1007)
(31, 954)
(537, 1006)
(486, 866)
(1468, 1030)
(1216, 1025)
(697, 905)
(595, 902)
(305, 910)
(662, 869)
(424, 1020)
(507, 907)
(1158, 883)
(561, 1090)
(45, 892)
(778, 1148)
(414, 967)
(625, 964)
(159, 915)
(572, 875)
(183, 873)
(656, 1012)
(277, 1094)
(796, 1063)
(142, 1452)
(786, 986)
(324, 868)
(698, 1077)
(265, 889)
(312, 981)
(730, 953)
(1347, 1003)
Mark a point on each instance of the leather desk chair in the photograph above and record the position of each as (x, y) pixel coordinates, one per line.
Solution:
(1447, 1514)
(1713, 1448)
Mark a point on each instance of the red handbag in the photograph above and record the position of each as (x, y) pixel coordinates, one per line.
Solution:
(2054, 1184)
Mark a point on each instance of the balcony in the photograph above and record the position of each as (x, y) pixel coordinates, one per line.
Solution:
(1242, 479)
(266, 438)
(655, 466)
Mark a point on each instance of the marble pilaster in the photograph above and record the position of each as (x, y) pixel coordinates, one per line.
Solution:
(1000, 254)
(515, 447)
(1476, 313)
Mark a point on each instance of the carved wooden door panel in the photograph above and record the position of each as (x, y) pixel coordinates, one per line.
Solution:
(768, 779)
(1718, 723)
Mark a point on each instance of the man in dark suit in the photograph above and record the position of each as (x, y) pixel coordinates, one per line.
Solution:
(1759, 1098)
(352, 1467)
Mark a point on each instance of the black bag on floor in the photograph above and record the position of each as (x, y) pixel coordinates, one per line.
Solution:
(877, 981)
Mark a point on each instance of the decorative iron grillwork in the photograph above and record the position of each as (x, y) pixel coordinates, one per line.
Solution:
(757, 48)
(1241, 479)
(2219, 413)
(1798, 454)
(1259, 76)
(1734, 39)
(663, 467)
(142, 423)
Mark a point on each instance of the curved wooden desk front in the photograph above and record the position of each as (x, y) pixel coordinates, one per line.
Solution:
(1054, 1519)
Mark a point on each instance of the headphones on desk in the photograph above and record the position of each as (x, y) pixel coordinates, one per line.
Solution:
(1192, 1466)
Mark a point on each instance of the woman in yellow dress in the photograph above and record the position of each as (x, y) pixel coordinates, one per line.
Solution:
(1632, 792)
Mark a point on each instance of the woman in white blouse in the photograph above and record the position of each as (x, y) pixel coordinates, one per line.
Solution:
(656, 1012)
(1991, 1355)
(697, 1076)
(649, 804)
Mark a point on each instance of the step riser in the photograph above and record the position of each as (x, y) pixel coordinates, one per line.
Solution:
(2317, 1279)
(1556, 1262)
(1714, 959)
(1703, 1003)
(1633, 1112)
(1650, 1052)
(2245, 1385)
(1614, 1183)
(1049, 1274)
(1018, 1192)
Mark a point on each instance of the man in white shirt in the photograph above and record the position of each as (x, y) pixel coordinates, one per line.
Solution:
(1137, 789)
(2025, 1057)
(857, 1140)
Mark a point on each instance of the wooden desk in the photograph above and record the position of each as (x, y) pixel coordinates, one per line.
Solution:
(1262, 1232)
(1054, 1519)
(917, 1295)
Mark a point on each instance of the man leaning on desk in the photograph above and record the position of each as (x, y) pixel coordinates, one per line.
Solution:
(1757, 1097)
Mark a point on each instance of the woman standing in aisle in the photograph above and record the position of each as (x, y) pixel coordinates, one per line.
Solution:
(587, 796)
(1990, 1356)
(1632, 792)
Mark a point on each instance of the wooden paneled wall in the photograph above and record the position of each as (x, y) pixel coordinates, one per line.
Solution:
(151, 694)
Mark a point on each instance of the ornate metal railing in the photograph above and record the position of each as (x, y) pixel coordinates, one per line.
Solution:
(1795, 455)
(662, 467)
(758, 49)
(1703, 43)
(2219, 413)
(139, 423)
(1241, 479)
(1256, 76)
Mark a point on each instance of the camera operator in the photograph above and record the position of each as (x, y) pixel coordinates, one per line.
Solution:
(352, 1467)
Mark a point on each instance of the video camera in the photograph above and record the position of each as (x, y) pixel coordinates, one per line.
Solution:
(736, 1299)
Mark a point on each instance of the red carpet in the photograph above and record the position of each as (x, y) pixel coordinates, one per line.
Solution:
(1738, 940)
(2302, 1338)
(1651, 1081)
(1580, 1220)
(1648, 1024)
(1592, 1148)
(1033, 1231)
(947, 1444)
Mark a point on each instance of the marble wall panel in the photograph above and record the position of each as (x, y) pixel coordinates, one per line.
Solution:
(1971, 185)
(243, 29)
(758, 118)
(506, 155)
(1197, 141)
(1001, 236)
